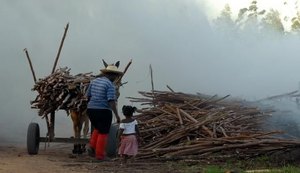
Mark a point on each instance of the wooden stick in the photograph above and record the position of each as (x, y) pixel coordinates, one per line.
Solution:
(214, 130)
(179, 117)
(223, 131)
(30, 64)
(221, 98)
(151, 74)
(170, 88)
(60, 47)
(127, 66)
(118, 81)
(278, 96)
(188, 116)
(210, 133)
(152, 84)
(196, 150)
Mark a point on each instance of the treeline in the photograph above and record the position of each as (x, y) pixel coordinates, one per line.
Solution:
(253, 19)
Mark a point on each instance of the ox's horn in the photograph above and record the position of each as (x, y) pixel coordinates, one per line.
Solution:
(117, 64)
(104, 63)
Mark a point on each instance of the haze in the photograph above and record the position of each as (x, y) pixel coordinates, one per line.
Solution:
(173, 36)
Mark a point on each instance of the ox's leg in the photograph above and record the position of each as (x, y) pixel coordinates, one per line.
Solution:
(86, 127)
(84, 122)
(76, 121)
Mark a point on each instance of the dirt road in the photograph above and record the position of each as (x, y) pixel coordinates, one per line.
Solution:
(57, 158)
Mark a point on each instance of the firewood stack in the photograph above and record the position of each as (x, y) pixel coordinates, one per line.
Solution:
(61, 90)
(176, 125)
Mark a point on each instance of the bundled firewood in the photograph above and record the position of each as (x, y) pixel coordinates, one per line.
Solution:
(177, 125)
(61, 90)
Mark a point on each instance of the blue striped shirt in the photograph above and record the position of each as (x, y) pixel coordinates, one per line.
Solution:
(100, 91)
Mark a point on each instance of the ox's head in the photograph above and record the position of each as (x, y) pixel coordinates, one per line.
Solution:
(117, 64)
(113, 73)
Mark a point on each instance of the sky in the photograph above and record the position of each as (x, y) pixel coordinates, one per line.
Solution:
(173, 36)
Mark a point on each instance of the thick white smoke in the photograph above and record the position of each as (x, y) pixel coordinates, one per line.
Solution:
(173, 36)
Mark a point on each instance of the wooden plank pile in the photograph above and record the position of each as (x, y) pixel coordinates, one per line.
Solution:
(61, 90)
(176, 125)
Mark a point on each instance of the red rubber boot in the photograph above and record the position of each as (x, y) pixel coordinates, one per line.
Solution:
(93, 142)
(101, 146)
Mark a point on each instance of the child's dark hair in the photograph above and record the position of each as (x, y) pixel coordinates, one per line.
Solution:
(128, 110)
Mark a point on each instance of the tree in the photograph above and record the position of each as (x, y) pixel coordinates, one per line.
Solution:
(272, 22)
(225, 22)
(248, 18)
(255, 21)
(295, 27)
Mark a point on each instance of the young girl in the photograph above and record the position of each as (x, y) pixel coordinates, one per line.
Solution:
(128, 135)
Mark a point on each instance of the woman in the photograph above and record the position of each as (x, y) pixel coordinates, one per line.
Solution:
(102, 99)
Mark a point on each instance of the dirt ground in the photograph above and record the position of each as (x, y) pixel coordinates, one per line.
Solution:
(58, 158)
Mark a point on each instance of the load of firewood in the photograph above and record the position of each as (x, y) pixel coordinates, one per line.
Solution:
(61, 90)
(176, 125)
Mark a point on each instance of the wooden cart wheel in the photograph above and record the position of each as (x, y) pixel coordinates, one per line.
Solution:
(33, 138)
(112, 144)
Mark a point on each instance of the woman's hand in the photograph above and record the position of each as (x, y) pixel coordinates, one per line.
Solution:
(118, 119)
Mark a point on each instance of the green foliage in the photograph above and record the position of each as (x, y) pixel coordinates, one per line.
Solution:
(188, 168)
(295, 27)
(259, 21)
(225, 21)
(260, 163)
(290, 169)
(263, 159)
(272, 21)
(213, 169)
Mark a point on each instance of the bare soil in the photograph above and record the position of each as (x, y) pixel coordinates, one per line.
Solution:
(58, 158)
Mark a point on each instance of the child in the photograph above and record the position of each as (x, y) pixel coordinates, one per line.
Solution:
(128, 135)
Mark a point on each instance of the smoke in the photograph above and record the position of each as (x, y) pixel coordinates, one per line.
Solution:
(174, 36)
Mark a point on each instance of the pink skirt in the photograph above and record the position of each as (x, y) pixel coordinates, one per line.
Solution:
(128, 145)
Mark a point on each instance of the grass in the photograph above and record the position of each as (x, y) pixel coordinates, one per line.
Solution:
(218, 169)
(261, 164)
(213, 169)
(197, 168)
(290, 169)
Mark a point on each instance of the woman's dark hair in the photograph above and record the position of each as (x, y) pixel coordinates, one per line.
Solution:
(128, 110)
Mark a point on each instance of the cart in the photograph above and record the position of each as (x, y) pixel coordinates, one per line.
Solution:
(33, 131)
(34, 138)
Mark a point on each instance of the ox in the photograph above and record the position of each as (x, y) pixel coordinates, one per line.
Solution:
(80, 124)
